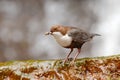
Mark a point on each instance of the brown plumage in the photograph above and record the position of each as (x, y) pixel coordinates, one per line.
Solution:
(70, 37)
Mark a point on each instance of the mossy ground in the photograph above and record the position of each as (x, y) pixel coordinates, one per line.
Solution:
(99, 68)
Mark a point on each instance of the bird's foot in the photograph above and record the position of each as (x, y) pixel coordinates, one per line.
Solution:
(67, 60)
(70, 59)
(72, 62)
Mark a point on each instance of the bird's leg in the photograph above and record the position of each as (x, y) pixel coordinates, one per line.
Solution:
(68, 55)
(76, 54)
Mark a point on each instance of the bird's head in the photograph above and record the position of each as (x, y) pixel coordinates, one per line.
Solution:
(57, 29)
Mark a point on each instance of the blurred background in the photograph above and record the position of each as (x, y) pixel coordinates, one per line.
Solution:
(24, 22)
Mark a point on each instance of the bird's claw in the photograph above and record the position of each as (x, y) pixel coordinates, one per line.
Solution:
(70, 59)
(67, 60)
(72, 62)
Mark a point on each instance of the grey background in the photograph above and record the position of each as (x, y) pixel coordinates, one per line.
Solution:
(24, 22)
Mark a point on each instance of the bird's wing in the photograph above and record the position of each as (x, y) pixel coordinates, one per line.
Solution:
(79, 35)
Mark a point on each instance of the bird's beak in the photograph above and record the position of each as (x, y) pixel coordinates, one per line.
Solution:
(48, 33)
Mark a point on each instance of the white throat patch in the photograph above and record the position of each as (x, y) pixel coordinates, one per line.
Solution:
(63, 40)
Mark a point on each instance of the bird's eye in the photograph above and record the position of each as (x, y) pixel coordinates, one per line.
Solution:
(55, 28)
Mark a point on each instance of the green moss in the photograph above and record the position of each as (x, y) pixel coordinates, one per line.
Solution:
(14, 62)
(6, 63)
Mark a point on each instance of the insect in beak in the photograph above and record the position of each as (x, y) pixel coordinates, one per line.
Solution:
(48, 33)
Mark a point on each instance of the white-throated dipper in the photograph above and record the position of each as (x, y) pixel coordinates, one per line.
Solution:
(70, 37)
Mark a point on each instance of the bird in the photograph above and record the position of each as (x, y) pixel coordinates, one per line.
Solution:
(71, 38)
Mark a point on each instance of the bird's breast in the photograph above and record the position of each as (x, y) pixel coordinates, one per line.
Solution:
(64, 40)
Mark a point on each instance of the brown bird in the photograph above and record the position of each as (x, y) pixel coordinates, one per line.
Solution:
(70, 37)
